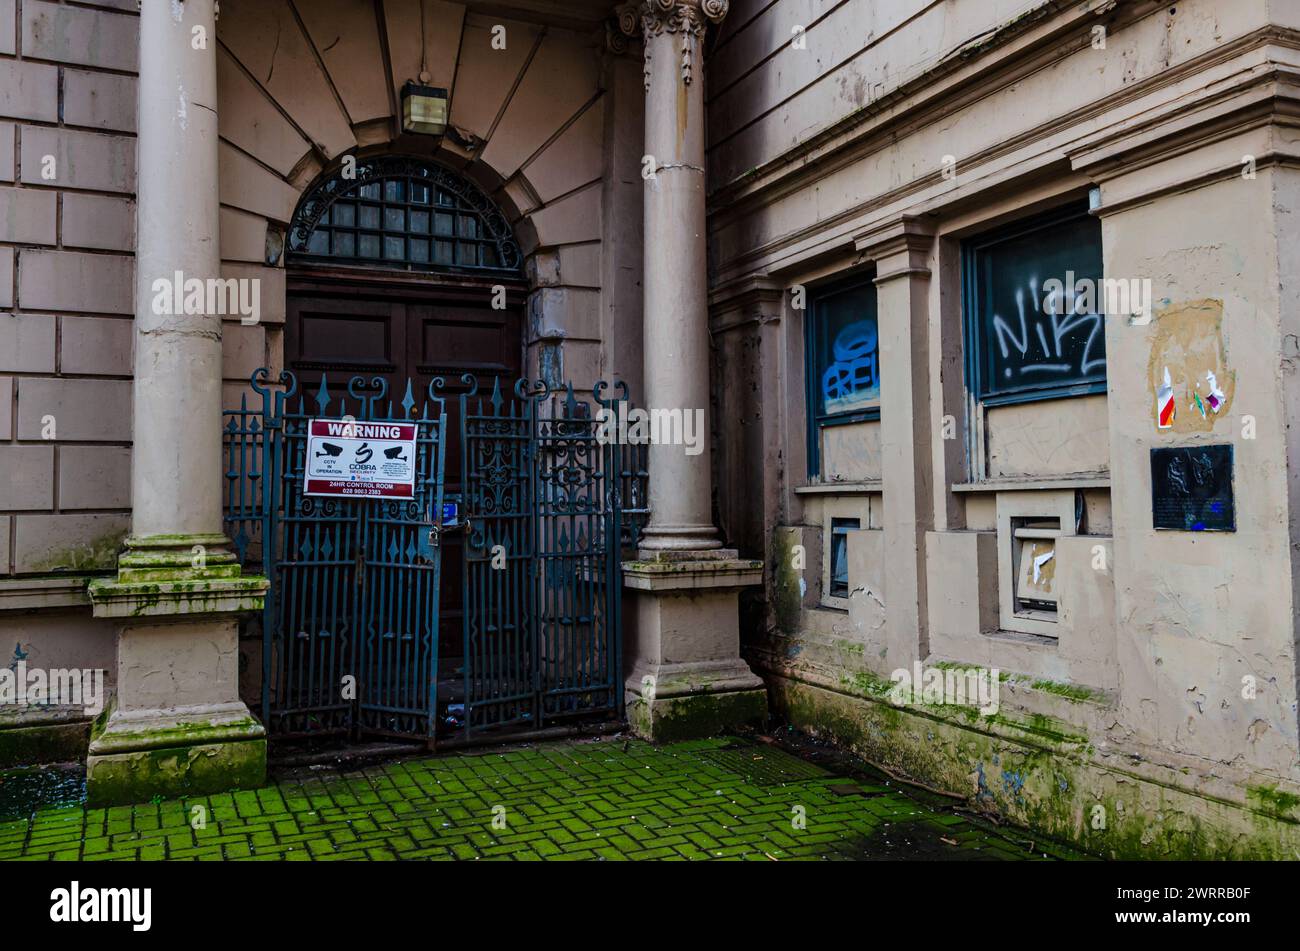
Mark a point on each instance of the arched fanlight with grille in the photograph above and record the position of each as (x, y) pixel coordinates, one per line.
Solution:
(403, 213)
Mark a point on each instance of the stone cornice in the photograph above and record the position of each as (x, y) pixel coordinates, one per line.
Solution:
(908, 235)
(969, 73)
(750, 289)
(44, 593)
(1181, 124)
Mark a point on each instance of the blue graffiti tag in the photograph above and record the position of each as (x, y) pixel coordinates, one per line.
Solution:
(854, 376)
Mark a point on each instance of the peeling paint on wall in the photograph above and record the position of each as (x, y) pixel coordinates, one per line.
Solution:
(1189, 347)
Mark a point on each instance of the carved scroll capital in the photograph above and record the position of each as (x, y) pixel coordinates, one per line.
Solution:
(655, 17)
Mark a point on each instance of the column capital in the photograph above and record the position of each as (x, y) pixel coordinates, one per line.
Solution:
(654, 18)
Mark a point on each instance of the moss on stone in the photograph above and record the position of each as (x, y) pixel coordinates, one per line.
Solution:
(1038, 775)
(1274, 802)
(97, 555)
(1069, 691)
(138, 776)
(787, 595)
(693, 716)
(44, 743)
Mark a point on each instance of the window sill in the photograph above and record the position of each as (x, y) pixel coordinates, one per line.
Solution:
(840, 488)
(1099, 481)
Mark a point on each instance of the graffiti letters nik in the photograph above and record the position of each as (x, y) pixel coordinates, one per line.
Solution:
(1058, 328)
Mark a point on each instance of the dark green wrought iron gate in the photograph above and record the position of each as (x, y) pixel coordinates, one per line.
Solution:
(350, 632)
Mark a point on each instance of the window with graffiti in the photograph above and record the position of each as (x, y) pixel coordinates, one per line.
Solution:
(1035, 305)
(843, 352)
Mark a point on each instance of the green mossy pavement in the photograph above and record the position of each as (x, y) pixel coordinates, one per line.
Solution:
(608, 799)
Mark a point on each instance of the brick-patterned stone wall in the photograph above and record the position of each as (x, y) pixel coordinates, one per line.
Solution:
(67, 231)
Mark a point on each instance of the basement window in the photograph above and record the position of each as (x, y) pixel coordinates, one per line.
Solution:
(1034, 558)
(840, 528)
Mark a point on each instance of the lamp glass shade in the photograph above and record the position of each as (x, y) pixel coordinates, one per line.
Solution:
(424, 109)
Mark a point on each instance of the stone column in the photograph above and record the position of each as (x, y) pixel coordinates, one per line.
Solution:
(676, 335)
(687, 677)
(901, 252)
(177, 724)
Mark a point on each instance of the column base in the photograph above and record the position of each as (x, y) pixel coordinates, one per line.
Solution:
(688, 701)
(688, 680)
(681, 538)
(177, 726)
(132, 759)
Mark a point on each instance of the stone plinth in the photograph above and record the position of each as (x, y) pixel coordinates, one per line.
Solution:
(686, 677)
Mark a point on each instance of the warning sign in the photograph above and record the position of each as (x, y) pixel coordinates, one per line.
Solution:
(363, 460)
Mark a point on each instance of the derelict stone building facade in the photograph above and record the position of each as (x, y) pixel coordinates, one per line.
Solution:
(989, 309)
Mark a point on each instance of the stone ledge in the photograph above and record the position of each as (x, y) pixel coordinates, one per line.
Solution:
(48, 741)
(681, 574)
(122, 733)
(113, 598)
(666, 681)
(1050, 786)
(44, 593)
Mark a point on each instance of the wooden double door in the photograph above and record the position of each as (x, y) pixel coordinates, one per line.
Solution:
(417, 329)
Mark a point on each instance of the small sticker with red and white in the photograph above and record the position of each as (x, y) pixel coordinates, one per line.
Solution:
(1165, 407)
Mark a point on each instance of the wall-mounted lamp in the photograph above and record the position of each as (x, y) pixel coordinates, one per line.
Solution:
(424, 109)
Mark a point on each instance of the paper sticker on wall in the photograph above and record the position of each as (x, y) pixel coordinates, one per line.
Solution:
(1215, 397)
(1165, 407)
(1189, 364)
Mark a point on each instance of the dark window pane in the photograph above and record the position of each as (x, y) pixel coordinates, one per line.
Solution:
(1038, 302)
(419, 194)
(394, 248)
(468, 227)
(490, 256)
(370, 191)
(394, 219)
(442, 252)
(846, 351)
(442, 225)
(840, 527)
(466, 254)
(419, 251)
(420, 222)
(345, 215)
(345, 244)
(394, 190)
(369, 217)
(319, 242)
(368, 246)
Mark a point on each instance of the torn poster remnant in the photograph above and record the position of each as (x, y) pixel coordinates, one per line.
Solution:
(1165, 408)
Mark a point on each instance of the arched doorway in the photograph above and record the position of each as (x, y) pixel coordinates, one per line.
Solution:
(405, 328)
(400, 268)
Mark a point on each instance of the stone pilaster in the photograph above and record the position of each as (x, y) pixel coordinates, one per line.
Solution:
(901, 252)
(687, 678)
(177, 724)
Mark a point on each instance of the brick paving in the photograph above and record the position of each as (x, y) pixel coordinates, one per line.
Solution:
(608, 799)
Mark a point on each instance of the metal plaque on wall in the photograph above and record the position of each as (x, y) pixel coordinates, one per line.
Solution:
(1191, 489)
